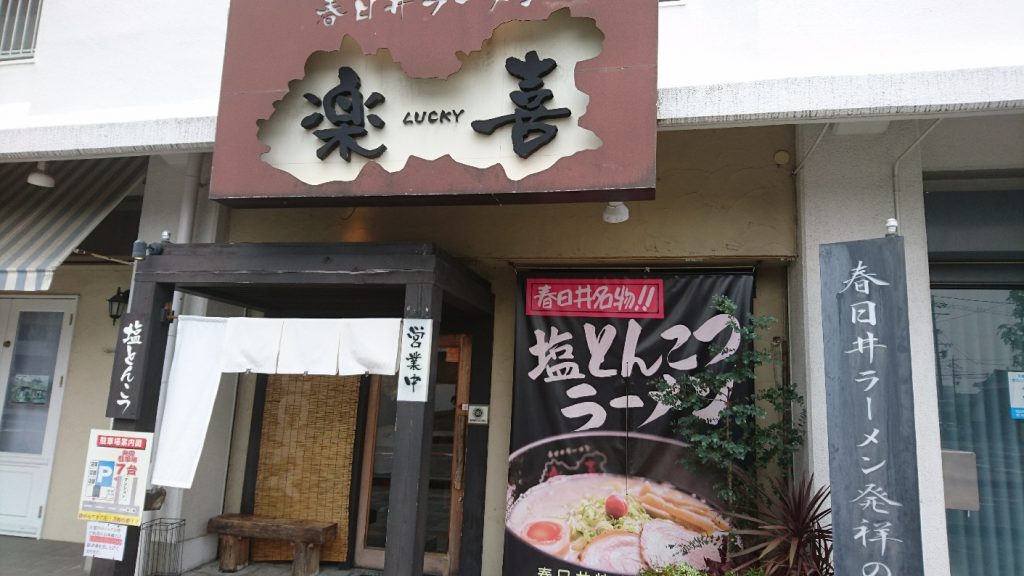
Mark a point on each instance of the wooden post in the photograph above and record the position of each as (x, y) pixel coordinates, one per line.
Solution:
(148, 299)
(306, 559)
(410, 472)
(234, 552)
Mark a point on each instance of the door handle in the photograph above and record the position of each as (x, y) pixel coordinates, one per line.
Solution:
(460, 451)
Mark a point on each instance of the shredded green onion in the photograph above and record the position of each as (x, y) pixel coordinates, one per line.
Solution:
(588, 520)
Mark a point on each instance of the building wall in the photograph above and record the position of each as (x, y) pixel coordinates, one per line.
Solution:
(721, 199)
(85, 392)
(757, 61)
(750, 40)
(975, 143)
(845, 192)
(720, 195)
(147, 81)
(115, 74)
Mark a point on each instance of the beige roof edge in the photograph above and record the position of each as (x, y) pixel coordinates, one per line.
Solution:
(756, 103)
(896, 96)
(142, 138)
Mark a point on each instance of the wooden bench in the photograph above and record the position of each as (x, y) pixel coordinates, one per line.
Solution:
(306, 536)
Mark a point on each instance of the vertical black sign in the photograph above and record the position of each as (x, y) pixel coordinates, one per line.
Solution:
(870, 398)
(594, 468)
(126, 378)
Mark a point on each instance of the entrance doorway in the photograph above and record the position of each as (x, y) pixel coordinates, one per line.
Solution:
(447, 464)
(35, 342)
(409, 281)
(307, 444)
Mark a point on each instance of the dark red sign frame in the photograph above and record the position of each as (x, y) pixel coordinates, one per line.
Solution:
(269, 42)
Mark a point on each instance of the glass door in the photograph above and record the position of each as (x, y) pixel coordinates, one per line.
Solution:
(447, 464)
(35, 339)
(979, 348)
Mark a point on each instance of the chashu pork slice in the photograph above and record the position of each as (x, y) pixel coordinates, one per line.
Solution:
(663, 543)
(615, 551)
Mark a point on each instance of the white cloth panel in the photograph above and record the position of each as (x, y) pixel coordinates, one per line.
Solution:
(369, 345)
(309, 347)
(252, 345)
(191, 391)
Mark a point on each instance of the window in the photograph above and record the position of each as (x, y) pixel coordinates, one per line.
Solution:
(976, 253)
(19, 21)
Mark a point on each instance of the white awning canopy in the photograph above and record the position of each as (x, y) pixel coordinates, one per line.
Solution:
(39, 227)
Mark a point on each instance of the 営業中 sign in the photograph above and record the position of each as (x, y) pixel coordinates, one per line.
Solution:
(415, 359)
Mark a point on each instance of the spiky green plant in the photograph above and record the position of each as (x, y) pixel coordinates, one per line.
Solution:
(789, 536)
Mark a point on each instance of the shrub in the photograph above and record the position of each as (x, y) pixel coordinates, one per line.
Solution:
(742, 436)
(684, 570)
(790, 537)
(673, 570)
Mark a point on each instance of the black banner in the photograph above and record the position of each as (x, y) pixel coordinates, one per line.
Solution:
(870, 403)
(126, 380)
(595, 484)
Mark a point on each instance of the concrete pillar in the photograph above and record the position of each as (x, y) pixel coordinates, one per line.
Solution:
(175, 201)
(845, 192)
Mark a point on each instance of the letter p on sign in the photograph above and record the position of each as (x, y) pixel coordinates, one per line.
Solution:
(105, 473)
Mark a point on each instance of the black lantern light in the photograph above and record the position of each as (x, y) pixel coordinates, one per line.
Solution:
(117, 304)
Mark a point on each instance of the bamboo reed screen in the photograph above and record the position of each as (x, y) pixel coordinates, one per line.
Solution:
(305, 462)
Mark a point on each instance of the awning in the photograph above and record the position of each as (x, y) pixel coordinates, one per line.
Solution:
(39, 227)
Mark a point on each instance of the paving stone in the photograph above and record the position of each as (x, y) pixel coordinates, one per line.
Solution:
(30, 557)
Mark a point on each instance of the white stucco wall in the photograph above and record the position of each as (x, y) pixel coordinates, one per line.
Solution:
(107, 74)
(845, 193)
(748, 40)
(85, 393)
(117, 77)
(751, 61)
(987, 143)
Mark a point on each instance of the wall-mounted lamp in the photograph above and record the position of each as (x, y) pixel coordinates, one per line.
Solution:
(892, 227)
(39, 177)
(615, 213)
(117, 304)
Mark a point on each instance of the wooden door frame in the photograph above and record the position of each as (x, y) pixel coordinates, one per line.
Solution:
(464, 344)
(434, 563)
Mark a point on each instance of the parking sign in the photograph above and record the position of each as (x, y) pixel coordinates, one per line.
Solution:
(116, 472)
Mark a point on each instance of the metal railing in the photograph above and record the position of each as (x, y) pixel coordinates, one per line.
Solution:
(19, 22)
